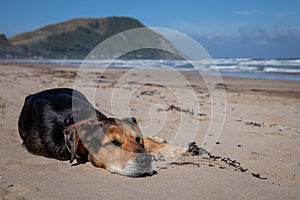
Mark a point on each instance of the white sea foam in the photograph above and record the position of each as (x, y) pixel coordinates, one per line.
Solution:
(234, 66)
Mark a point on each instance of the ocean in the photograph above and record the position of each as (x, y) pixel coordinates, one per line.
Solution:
(278, 69)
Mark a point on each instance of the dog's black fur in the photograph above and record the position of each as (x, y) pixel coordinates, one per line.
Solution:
(46, 114)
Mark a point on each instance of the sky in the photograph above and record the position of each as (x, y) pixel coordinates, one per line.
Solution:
(225, 28)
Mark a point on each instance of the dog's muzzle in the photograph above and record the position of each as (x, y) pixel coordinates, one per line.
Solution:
(141, 166)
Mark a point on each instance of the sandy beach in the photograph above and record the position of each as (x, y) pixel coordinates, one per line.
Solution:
(261, 131)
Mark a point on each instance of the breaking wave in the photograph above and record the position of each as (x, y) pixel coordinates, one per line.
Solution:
(230, 66)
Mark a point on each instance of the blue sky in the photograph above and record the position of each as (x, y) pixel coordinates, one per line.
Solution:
(226, 28)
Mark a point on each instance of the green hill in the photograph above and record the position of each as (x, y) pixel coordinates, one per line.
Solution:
(75, 38)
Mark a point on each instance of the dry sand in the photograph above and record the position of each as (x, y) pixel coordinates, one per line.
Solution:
(261, 131)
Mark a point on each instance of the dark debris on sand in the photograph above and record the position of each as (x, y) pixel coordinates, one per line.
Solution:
(195, 150)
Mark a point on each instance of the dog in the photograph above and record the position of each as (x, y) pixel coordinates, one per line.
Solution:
(62, 124)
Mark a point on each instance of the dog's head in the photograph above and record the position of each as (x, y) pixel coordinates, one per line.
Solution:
(114, 144)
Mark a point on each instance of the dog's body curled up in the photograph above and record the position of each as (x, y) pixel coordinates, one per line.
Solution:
(44, 117)
(48, 128)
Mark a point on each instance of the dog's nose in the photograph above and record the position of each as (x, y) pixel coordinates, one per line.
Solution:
(144, 160)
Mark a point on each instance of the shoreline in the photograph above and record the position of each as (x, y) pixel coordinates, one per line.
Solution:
(233, 84)
(288, 76)
(270, 87)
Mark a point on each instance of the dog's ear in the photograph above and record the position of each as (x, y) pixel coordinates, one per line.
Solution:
(71, 140)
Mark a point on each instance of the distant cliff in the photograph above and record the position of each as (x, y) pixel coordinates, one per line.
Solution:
(7, 50)
(75, 38)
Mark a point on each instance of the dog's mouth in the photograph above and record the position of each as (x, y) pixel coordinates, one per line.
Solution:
(132, 173)
(141, 166)
(138, 175)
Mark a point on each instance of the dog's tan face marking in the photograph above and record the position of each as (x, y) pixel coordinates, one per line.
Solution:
(119, 138)
(114, 144)
(132, 130)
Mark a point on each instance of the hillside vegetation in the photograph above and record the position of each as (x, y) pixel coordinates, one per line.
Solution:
(75, 38)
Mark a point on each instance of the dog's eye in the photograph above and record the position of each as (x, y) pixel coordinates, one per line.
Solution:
(138, 139)
(116, 143)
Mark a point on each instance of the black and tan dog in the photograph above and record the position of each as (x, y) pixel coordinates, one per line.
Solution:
(47, 128)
